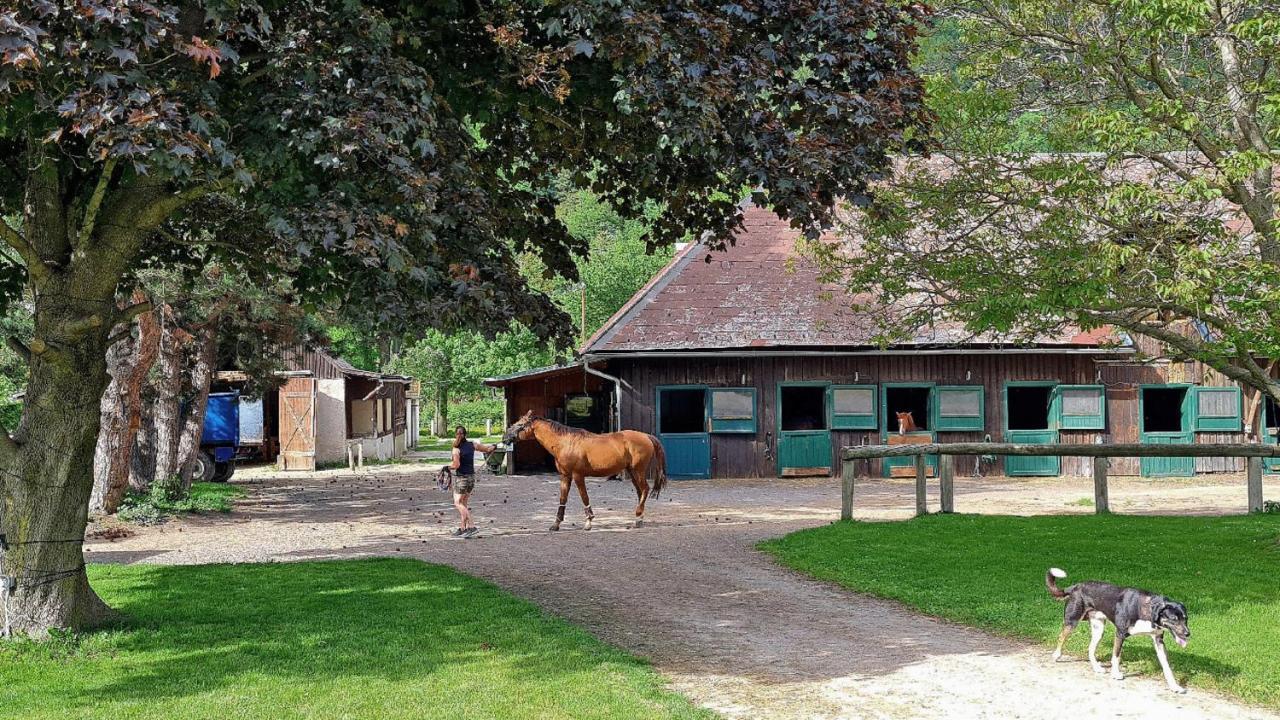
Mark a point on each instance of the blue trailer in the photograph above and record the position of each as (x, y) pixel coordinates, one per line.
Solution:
(220, 441)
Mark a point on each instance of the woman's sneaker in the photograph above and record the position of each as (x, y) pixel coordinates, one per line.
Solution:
(471, 532)
(458, 533)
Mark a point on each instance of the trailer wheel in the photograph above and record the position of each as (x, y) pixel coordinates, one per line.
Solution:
(223, 471)
(202, 467)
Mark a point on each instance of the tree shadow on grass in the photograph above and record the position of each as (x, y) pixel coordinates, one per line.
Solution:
(322, 637)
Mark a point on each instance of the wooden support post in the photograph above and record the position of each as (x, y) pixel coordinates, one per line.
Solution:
(922, 505)
(1255, 484)
(847, 473)
(947, 482)
(1101, 503)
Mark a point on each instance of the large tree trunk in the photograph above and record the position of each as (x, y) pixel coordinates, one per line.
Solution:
(128, 363)
(142, 462)
(49, 468)
(206, 354)
(167, 409)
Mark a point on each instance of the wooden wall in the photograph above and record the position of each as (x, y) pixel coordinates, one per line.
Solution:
(544, 396)
(746, 456)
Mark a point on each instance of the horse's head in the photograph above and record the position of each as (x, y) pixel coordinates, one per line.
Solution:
(906, 423)
(519, 430)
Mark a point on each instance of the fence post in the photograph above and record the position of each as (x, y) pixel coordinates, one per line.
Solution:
(1101, 503)
(947, 482)
(846, 489)
(1255, 484)
(922, 505)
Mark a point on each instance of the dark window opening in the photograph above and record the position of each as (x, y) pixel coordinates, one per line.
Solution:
(914, 400)
(683, 411)
(589, 412)
(1029, 407)
(804, 408)
(1162, 409)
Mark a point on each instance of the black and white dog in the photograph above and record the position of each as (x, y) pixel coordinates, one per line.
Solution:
(1132, 611)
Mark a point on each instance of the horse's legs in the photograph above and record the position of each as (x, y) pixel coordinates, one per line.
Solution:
(581, 482)
(564, 498)
(640, 478)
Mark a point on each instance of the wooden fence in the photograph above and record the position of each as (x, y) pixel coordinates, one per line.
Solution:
(946, 453)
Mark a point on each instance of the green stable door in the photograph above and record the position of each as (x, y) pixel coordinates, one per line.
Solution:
(804, 432)
(1032, 416)
(683, 430)
(1167, 412)
(918, 399)
(1271, 432)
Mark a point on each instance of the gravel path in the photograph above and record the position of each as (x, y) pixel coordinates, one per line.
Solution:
(729, 628)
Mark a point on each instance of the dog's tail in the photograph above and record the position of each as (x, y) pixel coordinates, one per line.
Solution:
(1051, 581)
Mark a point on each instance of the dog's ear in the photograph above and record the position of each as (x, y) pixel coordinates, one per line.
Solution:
(1158, 605)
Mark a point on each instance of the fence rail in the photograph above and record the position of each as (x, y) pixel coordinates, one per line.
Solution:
(946, 453)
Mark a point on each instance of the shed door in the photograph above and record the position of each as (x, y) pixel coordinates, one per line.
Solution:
(804, 438)
(252, 426)
(682, 429)
(918, 400)
(298, 424)
(1270, 431)
(1166, 420)
(1031, 416)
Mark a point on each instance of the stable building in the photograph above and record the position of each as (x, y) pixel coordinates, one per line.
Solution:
(746, 364)
(327, 407)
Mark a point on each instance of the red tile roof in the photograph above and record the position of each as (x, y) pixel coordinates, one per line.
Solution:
(759, 295)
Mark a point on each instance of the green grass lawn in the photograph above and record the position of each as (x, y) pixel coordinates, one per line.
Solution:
(989, 571)
(350, 639)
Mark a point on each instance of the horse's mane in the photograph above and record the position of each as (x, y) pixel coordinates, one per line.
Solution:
(561, 427)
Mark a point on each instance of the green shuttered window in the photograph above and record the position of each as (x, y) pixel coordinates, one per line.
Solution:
(1083, 407)
(1217, 409)
(733, 410)
(959, 407)
(853, 407)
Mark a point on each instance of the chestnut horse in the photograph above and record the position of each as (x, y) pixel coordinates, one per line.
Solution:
(906, 423)
(580, 454)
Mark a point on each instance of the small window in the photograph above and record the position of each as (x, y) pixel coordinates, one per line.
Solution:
(960, 407)
(1084, 407)
(1164, 410)
(1218, 409)
(1027, 407)
(733, 410)
(853, 407)
(803, 407)
(682, 410)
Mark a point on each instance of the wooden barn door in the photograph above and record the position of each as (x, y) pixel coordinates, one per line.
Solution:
(298, 424)
(1166, 419)
(804, 432)
(1032, 416)
(683, 425)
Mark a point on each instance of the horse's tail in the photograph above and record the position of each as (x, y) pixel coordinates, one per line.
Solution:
(660, 466)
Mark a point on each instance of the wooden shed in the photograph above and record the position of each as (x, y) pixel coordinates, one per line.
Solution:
(326, 404)
(564, 393)
(748, 366)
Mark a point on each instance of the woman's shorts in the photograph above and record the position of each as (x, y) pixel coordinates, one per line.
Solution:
(464, 484)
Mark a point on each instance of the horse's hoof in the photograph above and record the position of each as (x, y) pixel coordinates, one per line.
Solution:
(554, 528)
(586, 525)
(637, 523)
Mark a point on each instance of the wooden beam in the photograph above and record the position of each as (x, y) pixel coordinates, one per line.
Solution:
(847, 474)
(1101, 503)
(947, 482)
(1255, 484)
(922, 506)
(861, 452)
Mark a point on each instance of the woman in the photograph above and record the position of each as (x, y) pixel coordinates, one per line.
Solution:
(464, 479)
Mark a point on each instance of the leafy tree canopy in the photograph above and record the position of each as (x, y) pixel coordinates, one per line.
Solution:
(1168, 230)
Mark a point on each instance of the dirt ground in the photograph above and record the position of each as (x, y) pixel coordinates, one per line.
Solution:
(727, 626)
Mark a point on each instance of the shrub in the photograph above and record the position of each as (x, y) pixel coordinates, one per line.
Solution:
(472, 414)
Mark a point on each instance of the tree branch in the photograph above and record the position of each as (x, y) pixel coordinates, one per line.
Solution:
(19, 347)
(35, 266)
(95, 201)
(127, 314)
